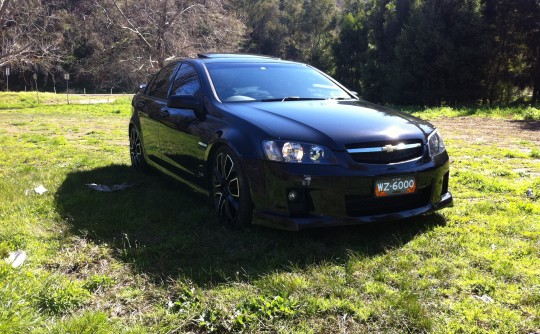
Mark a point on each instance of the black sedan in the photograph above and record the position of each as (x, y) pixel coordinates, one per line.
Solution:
(281, 144)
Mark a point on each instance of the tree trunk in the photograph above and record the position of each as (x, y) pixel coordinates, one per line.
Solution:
(3, 7)
(536, 79)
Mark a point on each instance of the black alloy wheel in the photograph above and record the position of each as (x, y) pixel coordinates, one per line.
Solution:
(230, 190)
(136, 151)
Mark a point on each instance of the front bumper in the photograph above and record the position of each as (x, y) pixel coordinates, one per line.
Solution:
(337, 195)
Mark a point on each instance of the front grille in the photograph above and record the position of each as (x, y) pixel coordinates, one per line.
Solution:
(368, 205)
(386, 152)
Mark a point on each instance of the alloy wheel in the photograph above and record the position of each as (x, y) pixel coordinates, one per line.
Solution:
(135, 150)
(226, 188)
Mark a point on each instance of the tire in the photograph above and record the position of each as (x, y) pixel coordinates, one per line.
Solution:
(136, 153)
(230, 190)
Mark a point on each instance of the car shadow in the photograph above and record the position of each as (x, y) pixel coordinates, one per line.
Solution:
(528, 125)
(166, 230)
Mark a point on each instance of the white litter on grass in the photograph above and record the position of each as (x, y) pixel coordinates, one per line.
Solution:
(106, 188)
(485, 298)
(40, 190)
(16, 258)
(529, 193)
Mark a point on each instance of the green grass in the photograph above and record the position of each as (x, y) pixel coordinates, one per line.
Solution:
(14, 100)
(519, 113)
(152, 259)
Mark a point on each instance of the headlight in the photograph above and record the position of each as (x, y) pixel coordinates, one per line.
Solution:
(435, 144)
(292, 152)
(288, 151)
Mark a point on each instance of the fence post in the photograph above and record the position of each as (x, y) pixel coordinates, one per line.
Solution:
(37, 90)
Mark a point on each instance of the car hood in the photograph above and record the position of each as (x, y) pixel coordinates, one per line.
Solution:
(331, 123)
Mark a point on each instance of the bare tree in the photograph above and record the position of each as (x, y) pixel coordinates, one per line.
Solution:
(112, 43)
(162, 29)
(3, 7)
(30, 35)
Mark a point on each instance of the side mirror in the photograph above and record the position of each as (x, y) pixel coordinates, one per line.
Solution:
(184, 102)
(141, 88)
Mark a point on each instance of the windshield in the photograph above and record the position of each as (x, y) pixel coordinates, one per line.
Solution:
(271, 82)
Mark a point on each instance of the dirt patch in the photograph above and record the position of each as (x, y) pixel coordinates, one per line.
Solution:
(93, 101)
(504, 132)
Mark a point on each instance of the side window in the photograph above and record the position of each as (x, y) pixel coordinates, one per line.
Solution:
(161, 83)
(186, 81)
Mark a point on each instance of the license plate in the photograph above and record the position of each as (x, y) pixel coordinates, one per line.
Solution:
(392, 186)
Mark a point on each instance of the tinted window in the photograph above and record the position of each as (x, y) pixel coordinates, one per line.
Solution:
(186, 81)
(161, 83)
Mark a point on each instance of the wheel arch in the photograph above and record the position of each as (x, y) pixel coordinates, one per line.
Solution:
(134, 121)
(226, 141)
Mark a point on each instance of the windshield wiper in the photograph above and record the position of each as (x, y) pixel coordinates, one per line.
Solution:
(293, 98)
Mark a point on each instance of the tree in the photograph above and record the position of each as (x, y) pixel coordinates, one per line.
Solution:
(311, 30)
(265, 29)
(387, 20)
(440, 54)
(135, 38)
(414, 52)
(350, 49)
(507, 21)
(141, 36)
(291, 29)
(30, 35)
(112, 43)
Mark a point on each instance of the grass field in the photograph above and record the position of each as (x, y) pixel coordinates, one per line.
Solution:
(152, 259)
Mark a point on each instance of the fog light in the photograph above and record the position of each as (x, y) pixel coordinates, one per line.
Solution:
(293, 195)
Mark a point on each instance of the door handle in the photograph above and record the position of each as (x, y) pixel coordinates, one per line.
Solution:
(140, 104)
(164, 112)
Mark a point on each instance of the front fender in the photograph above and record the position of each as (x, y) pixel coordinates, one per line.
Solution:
(244, 146)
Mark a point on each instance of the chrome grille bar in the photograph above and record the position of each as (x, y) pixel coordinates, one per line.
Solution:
(387, 148)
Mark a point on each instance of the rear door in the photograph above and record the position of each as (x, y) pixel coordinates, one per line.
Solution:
(149, 108)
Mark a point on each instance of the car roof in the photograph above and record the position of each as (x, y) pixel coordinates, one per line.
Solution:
(238, 57)
(233, 55)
